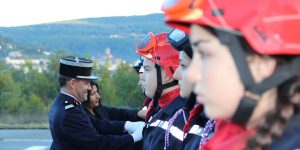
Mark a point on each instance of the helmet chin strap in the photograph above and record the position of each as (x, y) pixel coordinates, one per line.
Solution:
(160, 87)
(253, 91)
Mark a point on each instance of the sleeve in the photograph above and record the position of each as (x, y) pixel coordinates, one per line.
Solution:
(107, 127)
(122, 114)
(78, 129)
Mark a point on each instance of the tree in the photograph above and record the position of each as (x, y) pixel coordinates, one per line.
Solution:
(127, 89)
(10, 93)
(107, 88)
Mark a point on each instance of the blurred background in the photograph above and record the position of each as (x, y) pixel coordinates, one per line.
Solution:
(33, 36)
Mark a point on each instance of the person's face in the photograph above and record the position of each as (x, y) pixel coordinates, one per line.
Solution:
(148, 78)
(94, 97)
(186, 86)
(140, 76)
(213, 71)
(81, 88)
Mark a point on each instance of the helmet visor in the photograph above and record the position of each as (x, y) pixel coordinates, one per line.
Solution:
(147, 44)
(178, 39)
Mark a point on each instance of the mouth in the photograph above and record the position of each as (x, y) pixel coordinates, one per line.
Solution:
(143, 88)
(179, 85)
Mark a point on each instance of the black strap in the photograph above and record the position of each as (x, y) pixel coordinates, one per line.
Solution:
(170, 84)
(238, 55)
(282, 74)
(159, 87)
(244, 110)
(248, 103)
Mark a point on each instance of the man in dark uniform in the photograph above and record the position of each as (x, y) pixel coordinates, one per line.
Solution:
(71, 127)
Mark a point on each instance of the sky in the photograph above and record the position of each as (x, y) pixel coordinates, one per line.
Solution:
(29, 12)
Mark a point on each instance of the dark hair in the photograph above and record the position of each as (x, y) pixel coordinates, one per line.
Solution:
(287, 106)
(93, 83)
(287, 102)
(62, 80)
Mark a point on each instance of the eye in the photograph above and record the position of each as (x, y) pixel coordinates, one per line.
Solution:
(183, 66)
(203, 54)
(147, 69)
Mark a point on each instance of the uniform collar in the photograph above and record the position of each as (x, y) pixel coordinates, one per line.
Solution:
(229, 135)
(168, 98)
(175, 104)
(68, 94)
(71, 97)
(170, 109)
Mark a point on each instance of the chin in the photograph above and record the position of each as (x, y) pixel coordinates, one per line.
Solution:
(149, 95)
(210, 113)
(216, 113)
(184, 95)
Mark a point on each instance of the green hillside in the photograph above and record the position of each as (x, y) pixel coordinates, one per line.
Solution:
(86, 36)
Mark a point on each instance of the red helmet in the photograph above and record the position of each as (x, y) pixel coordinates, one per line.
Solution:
(269, 26)
(157, 49)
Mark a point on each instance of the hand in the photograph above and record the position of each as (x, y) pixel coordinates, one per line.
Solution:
(138, 134)
(142, 113)
(133, 126)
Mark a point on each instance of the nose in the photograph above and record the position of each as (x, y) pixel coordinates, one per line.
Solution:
(193, 71)
(140, 82)
(89, 86)
(98, 96)
(142, 76)
(177, 73)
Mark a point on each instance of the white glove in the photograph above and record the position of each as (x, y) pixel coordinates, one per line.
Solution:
(137, 135)
(131, 127)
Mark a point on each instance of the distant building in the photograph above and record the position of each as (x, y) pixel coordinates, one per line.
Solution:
(114, 61)
(38, 64)
(46, 53)
(15, 54)
(9, 46)
(116, 36)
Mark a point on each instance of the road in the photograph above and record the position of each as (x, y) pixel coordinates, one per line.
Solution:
(25, 139)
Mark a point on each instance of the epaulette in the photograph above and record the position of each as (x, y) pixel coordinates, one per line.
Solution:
(68, 105)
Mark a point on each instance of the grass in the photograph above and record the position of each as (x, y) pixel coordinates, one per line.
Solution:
(24, 126)
(36, 120)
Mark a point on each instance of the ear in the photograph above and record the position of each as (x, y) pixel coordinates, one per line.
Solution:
(165, 77)
(71, 83)
(261, 66)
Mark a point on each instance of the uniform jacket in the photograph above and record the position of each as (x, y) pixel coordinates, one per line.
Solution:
(72, 129)
(111, 113)
(193, 136)
(154, 131)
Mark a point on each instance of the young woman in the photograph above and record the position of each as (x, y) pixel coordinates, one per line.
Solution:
(95, 109)
(246, 68)
(190, 119)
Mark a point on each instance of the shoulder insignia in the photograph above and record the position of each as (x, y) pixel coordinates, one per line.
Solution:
(69, 106)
